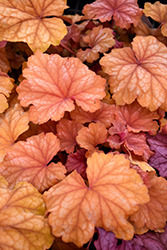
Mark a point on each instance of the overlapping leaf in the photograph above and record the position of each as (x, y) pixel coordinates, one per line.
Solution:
(22, 222)
(99, 40)
(28, 21)
(157, 12)
(12, 124)
(53, 83)
(124, 12)
(67, 132)
(114, 192)
(4, 63)
(139, 73)
(28, 161)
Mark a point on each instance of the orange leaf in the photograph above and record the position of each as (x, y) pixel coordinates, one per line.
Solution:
(66, 132)
(103, 115)
(28, 161)
(4, 63)
(28, 22)
(153, 215)
(139, 73)
(158, 12)
(100, 40)
(53, 83)
(22, 222)
(12, 124)
(137, 118)
(114, 193)
(90, 137)
(124, 12)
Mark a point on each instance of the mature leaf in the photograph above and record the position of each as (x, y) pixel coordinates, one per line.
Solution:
(6, 85)
(139, 73)
(28, 161)
(158, 160)
(106, 240)
(137, 118)
(28, 21)
(12, 124)
(22, 222)
(53, 83)
(152, 215)
(90, 137)
(100, 40)
(158, 12)
(124, 12)
(66, 132)
(114, 193)
(77, 161)
(105, 115)
(4, 63)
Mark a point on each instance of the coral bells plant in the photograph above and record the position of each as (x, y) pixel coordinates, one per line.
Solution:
(83, 133)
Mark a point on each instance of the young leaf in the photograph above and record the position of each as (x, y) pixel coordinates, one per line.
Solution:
(114, 193)
(139, 73)
(124, 12)
(53, 83)
(28, 161)
(157, 12)
(22, 222)
(28, 21)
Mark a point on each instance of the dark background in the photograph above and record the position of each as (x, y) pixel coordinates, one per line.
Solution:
(76, 6)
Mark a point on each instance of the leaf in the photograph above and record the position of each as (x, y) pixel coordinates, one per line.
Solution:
(90, 137)
(152, 215)
(158, 160)
(157, 12)
(22, 222)
(124, 12)
(4, 63)
(114, 192)
(137, 118)
(53, 83)
(105, 115)
(100, 40)
(106, 240)
(58, 244)
(77, 161)
(139, 73)
(66, 132)
(28, 22)
(6, 86)
(29, 161)
(12, 124)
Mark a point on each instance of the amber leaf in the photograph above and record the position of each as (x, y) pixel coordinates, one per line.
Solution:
(139, 73)
(29, 161)
(124, 12)
(115, 192)
(28, 21)
(22, 222)
(53, 83)
(4, 63)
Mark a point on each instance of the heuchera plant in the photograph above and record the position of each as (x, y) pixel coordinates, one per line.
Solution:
(83, 133)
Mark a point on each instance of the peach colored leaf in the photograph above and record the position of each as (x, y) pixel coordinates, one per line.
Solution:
(53, 83)
(90, 137)
(139, 73)
(115, 192)
(28, 21)
(153, 215)
(12, 124)
(105, 115)
(6, 86)
(66, 132)
(29, 161)
(100, 40)
(22, 222)
(4, 63)
(137, 118)
(124, 12)
(157, 12)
